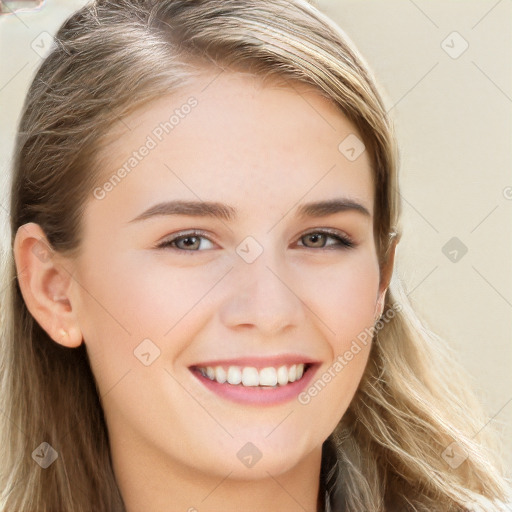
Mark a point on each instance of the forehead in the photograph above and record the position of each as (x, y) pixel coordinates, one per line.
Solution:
(231, 134)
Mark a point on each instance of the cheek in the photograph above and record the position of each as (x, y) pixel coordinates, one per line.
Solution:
(346, 301)
(343, 296)
(126, 300)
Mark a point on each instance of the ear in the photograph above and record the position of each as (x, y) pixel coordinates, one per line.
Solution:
(385, 278)
(45, 285)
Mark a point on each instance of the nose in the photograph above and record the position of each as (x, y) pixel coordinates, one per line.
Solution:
(263, 296)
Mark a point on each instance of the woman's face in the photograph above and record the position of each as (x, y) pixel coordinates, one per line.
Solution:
(244, 278)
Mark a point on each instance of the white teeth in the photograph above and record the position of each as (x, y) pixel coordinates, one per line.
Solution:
(251, 377)
(220, 374)
(234, 375)
(268, 377)
(282, 375)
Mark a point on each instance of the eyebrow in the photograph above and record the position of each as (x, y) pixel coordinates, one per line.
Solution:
(228, 213)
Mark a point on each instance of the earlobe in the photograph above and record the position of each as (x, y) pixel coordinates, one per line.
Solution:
(45, 285)
(70, 338)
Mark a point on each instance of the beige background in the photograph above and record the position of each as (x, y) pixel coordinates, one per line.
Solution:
(453, 119)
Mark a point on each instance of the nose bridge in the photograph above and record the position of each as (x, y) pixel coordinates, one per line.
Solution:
(261, 294)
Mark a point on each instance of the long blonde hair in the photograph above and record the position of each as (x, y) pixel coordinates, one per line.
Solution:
(111, 57)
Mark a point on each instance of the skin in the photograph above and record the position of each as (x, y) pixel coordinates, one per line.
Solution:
(264, 150)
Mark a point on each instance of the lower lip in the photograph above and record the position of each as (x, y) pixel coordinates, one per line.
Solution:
(256, 395)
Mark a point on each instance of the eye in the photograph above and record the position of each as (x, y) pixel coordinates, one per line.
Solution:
(319, 238)
(195, 241)
(190, 242)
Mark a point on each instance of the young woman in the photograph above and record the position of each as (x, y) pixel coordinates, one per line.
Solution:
(199, 313)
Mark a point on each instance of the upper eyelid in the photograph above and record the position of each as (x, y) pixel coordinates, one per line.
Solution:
(327, 231)
(181, 234)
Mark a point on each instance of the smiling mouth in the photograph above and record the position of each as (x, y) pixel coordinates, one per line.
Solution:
(249, 376)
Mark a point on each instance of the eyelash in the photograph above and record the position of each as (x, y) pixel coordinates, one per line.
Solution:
(344, 241)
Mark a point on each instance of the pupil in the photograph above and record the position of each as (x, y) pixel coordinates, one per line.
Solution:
(316, 237)
(190, 240)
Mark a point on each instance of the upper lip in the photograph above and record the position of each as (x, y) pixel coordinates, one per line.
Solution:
(258, 362)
